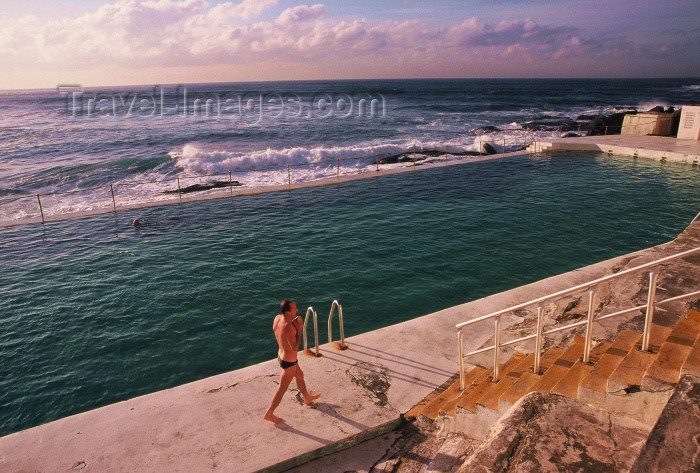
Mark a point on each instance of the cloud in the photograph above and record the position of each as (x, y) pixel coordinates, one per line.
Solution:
(187, 33)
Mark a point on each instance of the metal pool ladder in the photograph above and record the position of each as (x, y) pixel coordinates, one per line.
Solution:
(312, 312)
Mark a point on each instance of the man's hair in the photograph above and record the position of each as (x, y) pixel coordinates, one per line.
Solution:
(286, 306)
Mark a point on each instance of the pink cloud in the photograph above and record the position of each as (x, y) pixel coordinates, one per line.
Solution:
(188, 33)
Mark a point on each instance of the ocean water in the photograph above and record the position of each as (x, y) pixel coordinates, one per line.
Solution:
(94, 311)
(71, 144)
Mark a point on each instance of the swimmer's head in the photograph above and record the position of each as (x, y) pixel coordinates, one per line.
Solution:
(137, 222)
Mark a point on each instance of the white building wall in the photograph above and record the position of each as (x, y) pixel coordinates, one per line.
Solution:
(689, 127)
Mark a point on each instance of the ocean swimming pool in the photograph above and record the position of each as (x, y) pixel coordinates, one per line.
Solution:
(95, 311)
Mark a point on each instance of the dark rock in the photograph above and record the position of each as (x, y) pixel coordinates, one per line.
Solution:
(486, 129)
(570, 135)
(674, 443)
(551, 123)
(657, 109)
(587, 117)
(488, 149)
(608, 124)
(204, 187)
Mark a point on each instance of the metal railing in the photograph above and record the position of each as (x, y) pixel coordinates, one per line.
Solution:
(311, 312)
(591, 287)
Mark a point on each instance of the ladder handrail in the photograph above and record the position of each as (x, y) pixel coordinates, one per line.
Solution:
(591, 286)
(311, 310)
(335, 304)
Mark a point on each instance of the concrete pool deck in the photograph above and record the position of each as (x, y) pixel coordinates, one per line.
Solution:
(215, 424)
(659, 148)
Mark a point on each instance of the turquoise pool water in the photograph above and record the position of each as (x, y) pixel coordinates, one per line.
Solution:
(94, 311)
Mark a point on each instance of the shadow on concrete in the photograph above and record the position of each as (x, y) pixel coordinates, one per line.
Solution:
(292, 430)
(412, 363)
(336, 356)
(331, 410)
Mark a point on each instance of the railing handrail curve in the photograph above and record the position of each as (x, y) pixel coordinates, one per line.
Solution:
(579, 287)
(311, 311)
(335, 304)
(592, 287)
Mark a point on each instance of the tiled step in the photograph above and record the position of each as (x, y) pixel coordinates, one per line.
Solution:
(472, 397)
(595, 385)
(666, 368)
(523, 385)
(569, 384)
(560, 366)
(631, 371)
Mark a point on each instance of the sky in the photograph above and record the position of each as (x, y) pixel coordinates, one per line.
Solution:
(44, 43)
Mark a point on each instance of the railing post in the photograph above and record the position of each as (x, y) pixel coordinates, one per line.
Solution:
(653, 274)
(589, 326)
(114, 202)
(377, 164)
(41, 210)
(338, 173)
(496, 349)
(289, 174)
(230, 181)
(461, 358)
(179, 192)
(538, 340)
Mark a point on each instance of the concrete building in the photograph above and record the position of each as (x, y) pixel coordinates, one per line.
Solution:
(647, 124)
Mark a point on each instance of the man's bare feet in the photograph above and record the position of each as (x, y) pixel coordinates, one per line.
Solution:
(311, 398)
(273, 418)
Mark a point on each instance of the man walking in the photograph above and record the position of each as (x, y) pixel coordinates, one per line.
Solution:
(287, 327)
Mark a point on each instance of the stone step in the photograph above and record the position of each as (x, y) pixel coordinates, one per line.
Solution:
(674, 351)
(594, 386)
(523, 385)
(419, 408)
(634, 366)
(569, 384)
(446, 402)
(491, 398)
(470, 400)
(560, 367)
